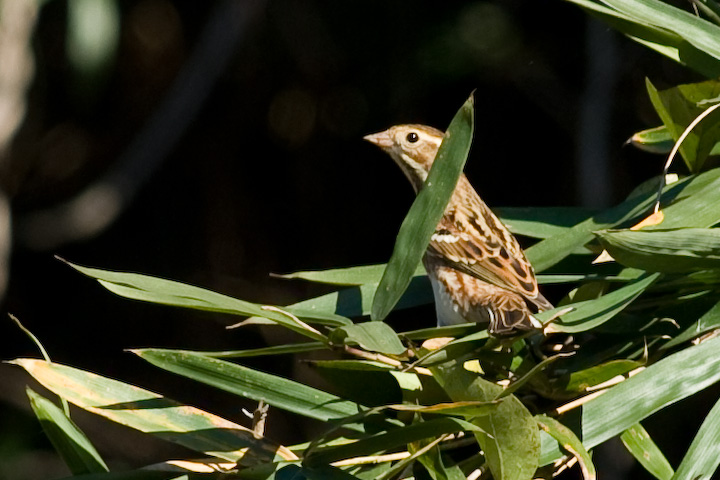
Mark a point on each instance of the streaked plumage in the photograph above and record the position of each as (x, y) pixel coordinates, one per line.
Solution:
(478, 271)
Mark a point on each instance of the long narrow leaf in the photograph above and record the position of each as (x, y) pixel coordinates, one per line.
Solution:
(699, 32)
(347, 276)
(569, 442)
(273, 390)
(425, 212)
(372, 336)
(663, 41)
(398, 437)
(692, 190)
(511, 445)
(69, 441)
(167, 292)
(151, 413)
(675, 251)
(703, 456)
(592, 313)
(669, 380)
(638, 442)
(542, 222)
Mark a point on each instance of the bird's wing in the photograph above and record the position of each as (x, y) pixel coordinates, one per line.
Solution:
(472, 239)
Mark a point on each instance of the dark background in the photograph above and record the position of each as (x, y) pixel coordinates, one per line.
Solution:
(231, 133)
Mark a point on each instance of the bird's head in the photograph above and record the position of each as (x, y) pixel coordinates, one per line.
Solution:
(413, 147)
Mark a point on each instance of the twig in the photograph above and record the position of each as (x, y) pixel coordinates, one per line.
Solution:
(259, 418)
(379, 357)
(390, 457)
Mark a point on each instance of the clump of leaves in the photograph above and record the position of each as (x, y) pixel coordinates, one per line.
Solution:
(456, 403)
(631, 336)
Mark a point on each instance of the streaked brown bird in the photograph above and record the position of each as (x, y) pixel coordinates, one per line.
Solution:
(477, 269)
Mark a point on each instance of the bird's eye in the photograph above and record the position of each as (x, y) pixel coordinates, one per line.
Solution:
(412, 137)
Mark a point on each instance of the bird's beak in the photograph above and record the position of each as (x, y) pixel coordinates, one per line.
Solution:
(381, 139)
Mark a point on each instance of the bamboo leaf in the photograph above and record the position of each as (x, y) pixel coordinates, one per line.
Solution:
(151, 413)
(542, 222)
(669, 380)
(569, 442)
(135, 475)
(697, 199)
(678, 107)
(703, 456)
(394, 438)
(167, 292)
(372, 336)
(357, 301)
(662, 40)
(347, 276)
(710, 320)
(69, 441)
(593, 313)
(582, 380)
(642, 447)
(672, 251)
(246, 382)
(425, 212)
(511, 445)
(697, 31)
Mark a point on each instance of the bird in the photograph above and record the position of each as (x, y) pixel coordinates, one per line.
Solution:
(477, 269)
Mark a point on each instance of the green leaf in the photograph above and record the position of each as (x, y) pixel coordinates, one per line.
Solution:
(669, 380)
(672, 251)
(425, 212)
(653, 140)
(703, 456)
(679, 106)
(697, 199)
(581, 380)
(69, 441)
(135, 475)
(304, 472)
(256, 352)
(246, 382)
(511, 445)
(469, 409)
(357, 301)
(168, 292)
(433, 462)
(356, 365)
(697, 31)
(372, 336)
(592, 313)
(151, 413)
(347, 276)
(710, 320)
(516, 384)
(663, 41)
(659, 140)
(569, 442)
(646, 452)
(542, 222)
(391, 439)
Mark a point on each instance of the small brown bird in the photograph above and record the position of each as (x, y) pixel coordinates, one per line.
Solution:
(477, 269)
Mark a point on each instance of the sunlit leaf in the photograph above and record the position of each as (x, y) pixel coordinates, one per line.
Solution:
(69, 441)
(629, 402)
(511, 444)
(673, 251)
(646, 452)
(565, 437)
(151, 413)
(703, 456)
(425, 212)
